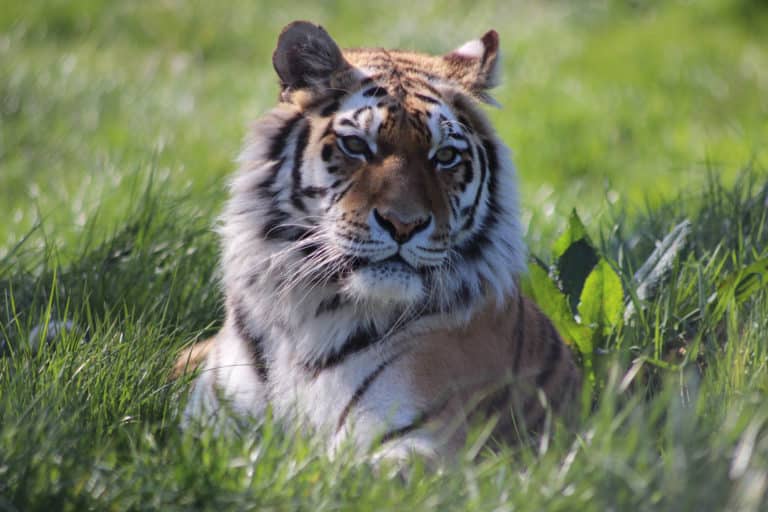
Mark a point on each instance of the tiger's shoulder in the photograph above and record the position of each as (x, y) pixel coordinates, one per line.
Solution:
(508, 363)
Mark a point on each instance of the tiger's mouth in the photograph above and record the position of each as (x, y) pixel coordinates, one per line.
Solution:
(395, 262)
(391, 280)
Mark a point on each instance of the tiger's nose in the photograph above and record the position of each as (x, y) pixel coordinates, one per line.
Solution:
(401, 230)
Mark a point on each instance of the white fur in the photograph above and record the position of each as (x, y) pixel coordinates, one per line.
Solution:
(473, 49)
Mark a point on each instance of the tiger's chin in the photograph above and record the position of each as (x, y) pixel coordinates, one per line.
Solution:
(394, 283)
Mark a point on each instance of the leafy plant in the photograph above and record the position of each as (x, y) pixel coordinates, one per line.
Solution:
(581, 292)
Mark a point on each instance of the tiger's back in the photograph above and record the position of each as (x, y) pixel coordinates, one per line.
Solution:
(371, 249)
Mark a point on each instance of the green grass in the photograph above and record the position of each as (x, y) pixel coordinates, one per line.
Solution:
(118, 126)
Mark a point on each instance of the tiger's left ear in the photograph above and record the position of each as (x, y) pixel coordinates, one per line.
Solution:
(476, 65)
(306, 57)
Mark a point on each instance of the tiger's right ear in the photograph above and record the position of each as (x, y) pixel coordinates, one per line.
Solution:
(476, 65)
(306, 56)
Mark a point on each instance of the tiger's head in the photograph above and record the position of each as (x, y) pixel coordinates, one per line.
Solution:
(378, 177)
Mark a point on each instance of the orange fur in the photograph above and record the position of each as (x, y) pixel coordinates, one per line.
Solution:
(473, 368)
(191, 357)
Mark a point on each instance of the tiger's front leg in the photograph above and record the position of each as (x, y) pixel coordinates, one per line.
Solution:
(395, 425)
(228, 381)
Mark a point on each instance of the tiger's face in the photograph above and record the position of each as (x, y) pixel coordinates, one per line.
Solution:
(380, 175)
(404, 186)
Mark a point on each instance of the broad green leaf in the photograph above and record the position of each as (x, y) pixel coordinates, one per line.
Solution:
(575, 256)
(573, 267)
(602, 299)
(546, 294)
(554, 304)
(574, 232)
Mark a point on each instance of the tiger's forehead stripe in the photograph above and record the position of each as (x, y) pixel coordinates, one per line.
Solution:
(375, 114)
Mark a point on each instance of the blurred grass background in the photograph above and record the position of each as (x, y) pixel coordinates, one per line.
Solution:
(624, 101)
(119, 122)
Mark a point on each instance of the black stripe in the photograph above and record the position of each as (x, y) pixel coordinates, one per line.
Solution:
(473, 248)
(533, 423)
(434, 250)
(264, 186)
(327, 152)
(399, 432)
(274, 228)
(313, 192)
(566, 391)
(329, 305)
(375, 92)
(458, 136)
(330, 95)
(495, 401)
(464, 295)
(419, 72)
(276, 149)
(307, 249)
(417, 423)
(532, 404)
(519, 339)
(469, 173)
(425, 85)
(340, 195)
(427, 99)
(553, 356)
(483, 160)
(328, 130)
(363, 388)
(255, 342)
(454, 206)
(361, 339)
(493, 168)
(329, 109)
(420, 127)
(278, 144)
(481, 185)
(359, 112)
(298, 161)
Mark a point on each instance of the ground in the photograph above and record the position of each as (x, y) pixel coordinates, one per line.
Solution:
(119, 122)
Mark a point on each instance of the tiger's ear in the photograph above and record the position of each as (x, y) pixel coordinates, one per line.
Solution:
(476, 64)
(306, 56)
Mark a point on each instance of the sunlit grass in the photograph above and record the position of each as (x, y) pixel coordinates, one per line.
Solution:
(119, 122)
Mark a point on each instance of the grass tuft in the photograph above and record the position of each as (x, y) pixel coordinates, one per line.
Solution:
(119, 122)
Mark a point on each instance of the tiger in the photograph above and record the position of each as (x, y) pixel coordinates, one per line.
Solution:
(371, 254)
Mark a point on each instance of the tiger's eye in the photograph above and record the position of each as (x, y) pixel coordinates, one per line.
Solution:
(446, 156)
(354, 145)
